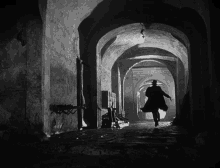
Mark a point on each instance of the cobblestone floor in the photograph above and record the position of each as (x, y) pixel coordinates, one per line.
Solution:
(139, 144)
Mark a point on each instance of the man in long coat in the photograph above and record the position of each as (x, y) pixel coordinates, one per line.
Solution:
(155, 101)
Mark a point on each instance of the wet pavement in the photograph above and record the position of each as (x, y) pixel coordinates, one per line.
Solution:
(139, 144)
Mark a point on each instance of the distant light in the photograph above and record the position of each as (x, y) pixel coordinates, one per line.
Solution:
(150, 83)
(154, 56)
(149, 115)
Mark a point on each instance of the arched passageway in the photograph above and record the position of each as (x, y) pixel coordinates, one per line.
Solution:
(135, 78)
(122, 47)
(70, 32)
(110, 49)
(151, 40)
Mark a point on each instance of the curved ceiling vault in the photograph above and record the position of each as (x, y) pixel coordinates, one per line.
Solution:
(116, 42)
(144, 63)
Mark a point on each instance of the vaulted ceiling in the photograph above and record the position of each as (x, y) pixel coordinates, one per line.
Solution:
(129, 41)
(136, 42)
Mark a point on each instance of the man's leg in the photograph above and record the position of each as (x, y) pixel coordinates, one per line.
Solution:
(155, 116)
(158, 115)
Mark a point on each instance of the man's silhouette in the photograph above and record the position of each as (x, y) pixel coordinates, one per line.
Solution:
(155, 101)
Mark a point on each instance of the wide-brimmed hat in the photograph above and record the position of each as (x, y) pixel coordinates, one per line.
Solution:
(154, 82)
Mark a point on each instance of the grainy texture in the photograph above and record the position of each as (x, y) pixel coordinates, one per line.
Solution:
(136, 145)
(21, 78)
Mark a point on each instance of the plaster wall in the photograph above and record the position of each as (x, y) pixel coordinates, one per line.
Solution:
(129, 110)
(20, 78)
(106, 79)
(61, 48)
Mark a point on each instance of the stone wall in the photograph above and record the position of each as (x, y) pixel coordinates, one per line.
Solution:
(129, 100)
(20, 77)
(63, 92)
(106, 79)
(34, 61)
(63, 77)
(62, 19)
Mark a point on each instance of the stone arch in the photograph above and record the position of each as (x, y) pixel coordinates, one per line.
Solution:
(132, 63)
(101, 27)
(198, 103)
(108, 63)
(135, 64)
(118, 74)
(130, 89)
(153, 41)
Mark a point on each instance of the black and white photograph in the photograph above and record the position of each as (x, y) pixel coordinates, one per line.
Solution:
(109, 83)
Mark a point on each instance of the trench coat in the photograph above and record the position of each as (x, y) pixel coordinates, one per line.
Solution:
(155, 99)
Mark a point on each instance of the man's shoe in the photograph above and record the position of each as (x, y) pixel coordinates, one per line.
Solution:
(156, 124)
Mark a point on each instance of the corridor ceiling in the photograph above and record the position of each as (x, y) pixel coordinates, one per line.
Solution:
(141, 75)
(157, 43)
(129, 36)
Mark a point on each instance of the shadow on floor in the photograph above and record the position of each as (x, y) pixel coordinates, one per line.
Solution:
(135, 145)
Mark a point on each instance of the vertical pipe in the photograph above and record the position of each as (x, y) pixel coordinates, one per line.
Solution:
(98, 96)
(82, 95)
(46, 85)
(123, 93)
(83, 103)
(119, 93)
(138, 102)
(26, 92)
(177, 90)
(133, 90)
(79, 110)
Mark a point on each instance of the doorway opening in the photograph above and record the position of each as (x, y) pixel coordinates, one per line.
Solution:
(142, 99)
